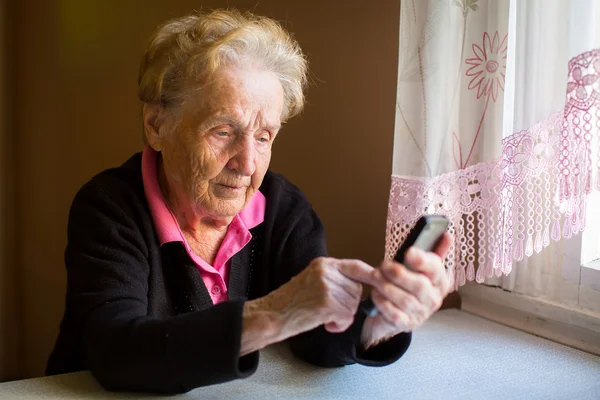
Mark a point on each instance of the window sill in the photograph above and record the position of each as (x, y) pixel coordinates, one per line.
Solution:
(573, 327)
(593, 265)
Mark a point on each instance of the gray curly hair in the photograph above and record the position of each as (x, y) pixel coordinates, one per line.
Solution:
(184, 52)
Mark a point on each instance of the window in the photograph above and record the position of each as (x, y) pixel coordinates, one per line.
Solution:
(590, 246)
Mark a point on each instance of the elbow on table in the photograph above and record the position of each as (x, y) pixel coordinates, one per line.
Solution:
(116, 371)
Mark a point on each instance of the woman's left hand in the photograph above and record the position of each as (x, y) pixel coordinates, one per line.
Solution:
(405, 298)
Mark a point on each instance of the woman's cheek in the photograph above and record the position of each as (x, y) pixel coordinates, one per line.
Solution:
(209, 162)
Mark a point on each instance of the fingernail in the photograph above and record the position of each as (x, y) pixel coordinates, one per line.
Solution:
(413, 252)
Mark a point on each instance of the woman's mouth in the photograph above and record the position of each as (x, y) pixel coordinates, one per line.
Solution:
(229, 190)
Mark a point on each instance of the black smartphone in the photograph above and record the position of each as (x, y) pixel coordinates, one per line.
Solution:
(426, 235)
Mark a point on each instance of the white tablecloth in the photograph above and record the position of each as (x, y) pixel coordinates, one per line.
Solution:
(454, 356)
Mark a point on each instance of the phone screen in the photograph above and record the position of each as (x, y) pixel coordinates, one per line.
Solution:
(430, 235)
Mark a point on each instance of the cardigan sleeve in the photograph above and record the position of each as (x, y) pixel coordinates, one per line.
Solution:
(107, 299)
(304, 241)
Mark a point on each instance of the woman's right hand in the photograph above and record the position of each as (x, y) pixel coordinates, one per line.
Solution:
(327, 292)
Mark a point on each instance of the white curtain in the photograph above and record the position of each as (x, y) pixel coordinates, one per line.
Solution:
(540, 71)
(497, 127)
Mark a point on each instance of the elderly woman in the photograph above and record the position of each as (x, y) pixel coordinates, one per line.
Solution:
(192, 256)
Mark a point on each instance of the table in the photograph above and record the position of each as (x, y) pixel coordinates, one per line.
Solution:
(455, 355)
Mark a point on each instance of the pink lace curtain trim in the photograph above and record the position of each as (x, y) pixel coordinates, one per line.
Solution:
(503, 210)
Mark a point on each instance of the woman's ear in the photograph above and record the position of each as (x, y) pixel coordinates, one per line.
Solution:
(154, 116)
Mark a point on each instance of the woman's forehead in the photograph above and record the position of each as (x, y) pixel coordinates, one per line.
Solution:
(234, 95)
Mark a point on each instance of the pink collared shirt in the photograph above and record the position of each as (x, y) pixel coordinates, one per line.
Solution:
(238, 234)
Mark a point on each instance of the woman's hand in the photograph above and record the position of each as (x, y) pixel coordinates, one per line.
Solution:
(327, 292)
(405, 298)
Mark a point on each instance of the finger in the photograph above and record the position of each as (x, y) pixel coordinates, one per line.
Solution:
(359, 271)
(343, 293)
(340, 296)
(429, 264)
(442, 251)
(414, 283)
(403, 300)
(335, 278)
(326, 273)
(444, 245)
(391, 314)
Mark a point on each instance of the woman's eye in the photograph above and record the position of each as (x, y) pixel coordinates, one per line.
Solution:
(222, 133)
(263, 139)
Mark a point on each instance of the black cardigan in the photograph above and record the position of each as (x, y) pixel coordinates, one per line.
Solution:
(138, 314)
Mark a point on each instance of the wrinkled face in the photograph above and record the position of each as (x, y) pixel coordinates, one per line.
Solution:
(218, 154)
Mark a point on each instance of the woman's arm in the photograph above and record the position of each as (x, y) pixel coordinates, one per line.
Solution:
(107, 318)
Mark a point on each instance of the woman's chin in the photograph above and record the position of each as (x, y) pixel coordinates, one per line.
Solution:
(226, 207)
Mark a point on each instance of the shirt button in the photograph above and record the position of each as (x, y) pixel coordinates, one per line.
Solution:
(215, 290)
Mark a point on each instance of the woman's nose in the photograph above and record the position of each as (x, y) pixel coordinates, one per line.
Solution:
(243, 161)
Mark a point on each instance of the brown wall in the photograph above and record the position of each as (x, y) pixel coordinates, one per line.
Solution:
(77, 113)
(9, 367)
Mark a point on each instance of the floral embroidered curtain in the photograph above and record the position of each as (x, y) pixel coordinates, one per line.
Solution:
(461, 148)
